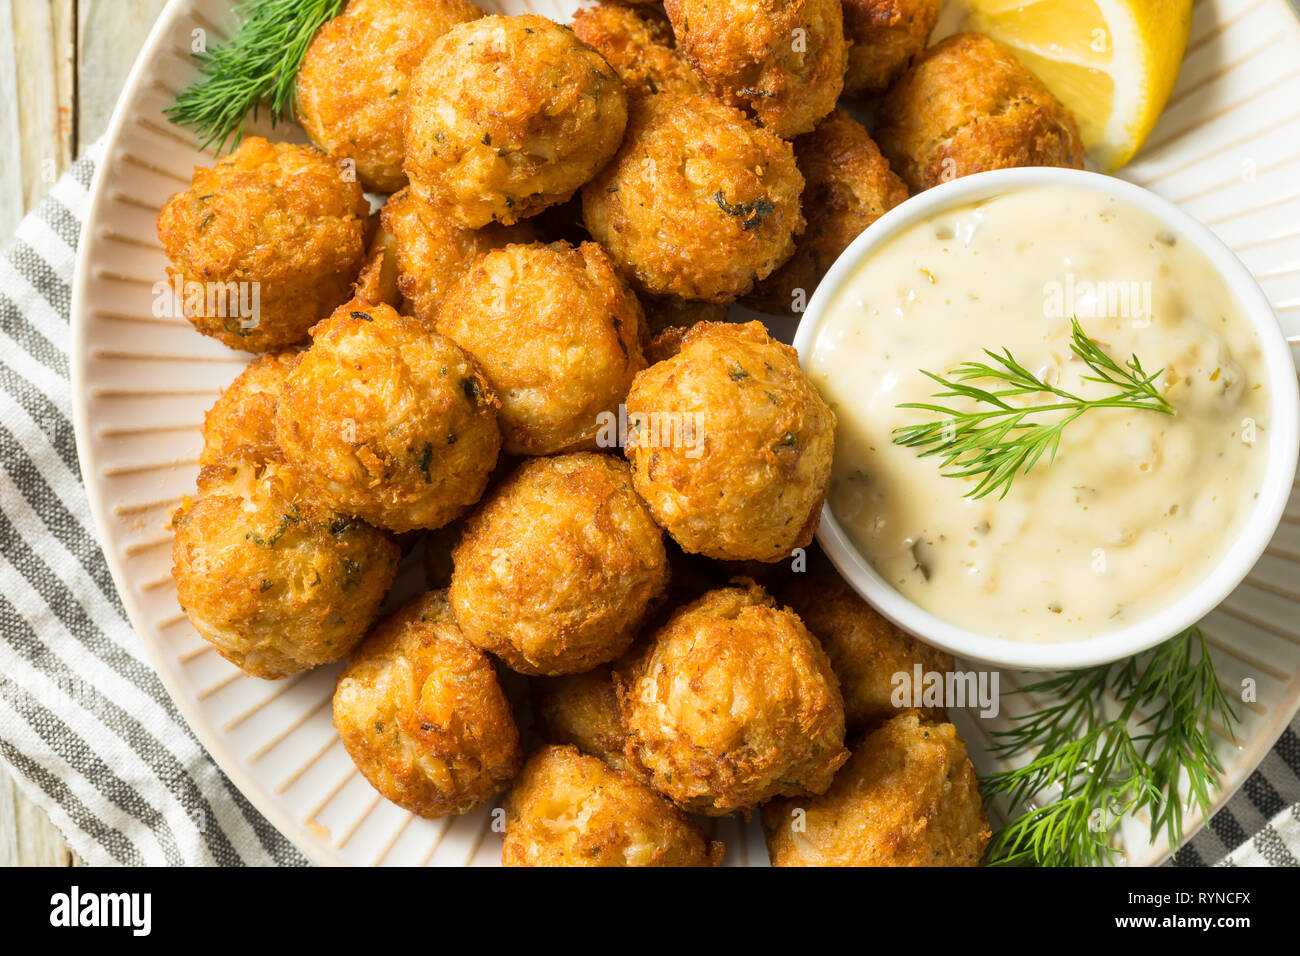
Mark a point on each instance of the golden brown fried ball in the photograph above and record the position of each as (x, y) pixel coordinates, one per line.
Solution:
(559, 567)
(908, 797)
(558, 335)
(352, 85)
(433, 250)
(966, 106)
(783, 60)
(509, 115)
(849, 185)
(731, 445)
(699, 202)
(422, 715)
(277, 583)
(582, 710)
(733, 703)
(865, 650)
(567, 809)
(638, 43)
(242, 420)
(389, 422)
(885, 37)
(275, 226)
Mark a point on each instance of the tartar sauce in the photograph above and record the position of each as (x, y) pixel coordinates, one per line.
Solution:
(1138, 506)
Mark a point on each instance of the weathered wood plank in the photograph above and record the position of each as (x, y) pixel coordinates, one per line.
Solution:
(110, 34)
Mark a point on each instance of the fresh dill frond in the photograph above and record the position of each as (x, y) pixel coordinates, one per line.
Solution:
(1089, 769)
(258, 67)
(1001, 439)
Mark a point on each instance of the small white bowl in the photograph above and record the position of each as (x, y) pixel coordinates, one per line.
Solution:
(1283, 435)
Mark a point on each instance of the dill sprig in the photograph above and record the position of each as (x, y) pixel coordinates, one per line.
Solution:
(1101, 767)
(994, 444)
(258, 66)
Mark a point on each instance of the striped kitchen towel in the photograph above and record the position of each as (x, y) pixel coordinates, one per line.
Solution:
(86, 726)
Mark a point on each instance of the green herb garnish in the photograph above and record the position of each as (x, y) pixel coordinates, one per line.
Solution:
(751, 213)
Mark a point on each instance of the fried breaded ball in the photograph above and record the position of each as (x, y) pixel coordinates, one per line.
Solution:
(567, 809)
(422, 715)
(558, 335)
(638, 43)
(268, 240)
(908, 797)
(352, 85)
(731, 445)
(699, 202)
(885, 37)
(242, 419)
(509, 115)
(560, 565)
(582, 710)
(783, 60)
(966, 106)
(433, 250)
(277, 583)
(849, 185)
(865, 650)
(389, 422)
(733, 703)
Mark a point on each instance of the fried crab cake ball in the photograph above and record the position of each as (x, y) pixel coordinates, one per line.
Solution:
(885, 37)
(731, 445)
(638, 44)
(699, 202)
(567, 809)
(558, 335)
(732, 703)
(242, 420)
(908, 797)
(966, 106)
(782, 60)
(271, 237)
(433, 250)
(560, 566)
(353, 82)
(582, 710)
(277, 583)
(422, 715)
(848, 186)
(865, 650)
(509, 115)
(389, 422)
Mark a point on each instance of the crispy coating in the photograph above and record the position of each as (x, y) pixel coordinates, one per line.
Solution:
(354, 78)
(433, 250)
(638, 43)
(699, 202)
(865, 650)
(242, 419)
(783, 60)
(422, 715)
(277, 583)
(377, 282)
(567, 809)
(733, 703)
(907, 797)
(389, 422)
(560, 566)
(558, 335)
(732, 446)
(509, 115)
(278, 220)
(967, 105)
(885, 37)
(849, 185)
(582, 710)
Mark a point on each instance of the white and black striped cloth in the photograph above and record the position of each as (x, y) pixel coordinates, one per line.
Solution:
(86, 726)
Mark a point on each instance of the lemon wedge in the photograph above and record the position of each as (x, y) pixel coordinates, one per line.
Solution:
(1113, 62)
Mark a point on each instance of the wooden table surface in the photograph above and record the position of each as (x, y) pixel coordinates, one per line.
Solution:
(62, 65)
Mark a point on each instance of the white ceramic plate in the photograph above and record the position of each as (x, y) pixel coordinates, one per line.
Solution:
(1227, 149)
